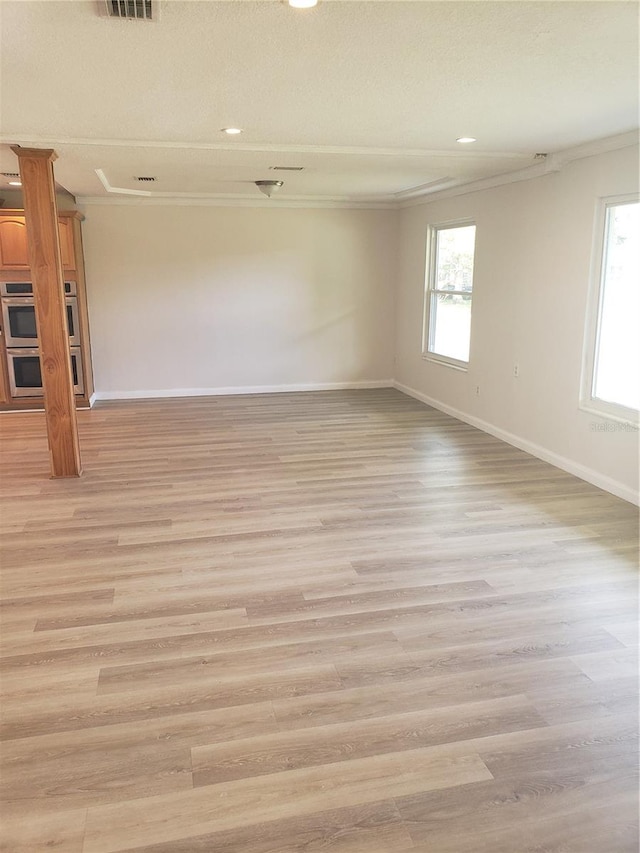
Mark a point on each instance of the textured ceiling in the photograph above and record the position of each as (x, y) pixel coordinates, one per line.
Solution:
(368, 96)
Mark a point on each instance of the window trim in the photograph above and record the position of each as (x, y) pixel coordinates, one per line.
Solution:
(587, 402)
(428, 334)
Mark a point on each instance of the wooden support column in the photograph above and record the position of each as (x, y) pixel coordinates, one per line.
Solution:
(41, 215)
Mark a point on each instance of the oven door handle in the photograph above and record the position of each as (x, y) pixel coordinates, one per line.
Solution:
(22, 351)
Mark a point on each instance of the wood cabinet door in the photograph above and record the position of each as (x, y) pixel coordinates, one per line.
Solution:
(4, 378)
(4, 389)
(65, 227)
(14, 251)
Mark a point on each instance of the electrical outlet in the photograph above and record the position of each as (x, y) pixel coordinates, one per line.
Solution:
(516, 370)
(477, 390)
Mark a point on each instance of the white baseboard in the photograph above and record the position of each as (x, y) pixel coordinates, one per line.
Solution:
(229, 391)
(594, 477)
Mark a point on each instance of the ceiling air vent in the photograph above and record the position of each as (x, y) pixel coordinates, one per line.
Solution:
(145, 178)
(286, 168)
(10, 175)
(131, 10)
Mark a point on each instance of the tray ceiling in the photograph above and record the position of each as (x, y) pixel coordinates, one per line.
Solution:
(368, 97)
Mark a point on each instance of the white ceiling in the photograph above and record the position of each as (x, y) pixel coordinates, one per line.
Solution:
(368, 97)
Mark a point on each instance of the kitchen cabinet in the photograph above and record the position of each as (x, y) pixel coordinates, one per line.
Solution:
(14, 250)
(65, 227)
(20, 369)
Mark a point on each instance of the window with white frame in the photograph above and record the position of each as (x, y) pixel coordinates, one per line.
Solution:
(613, 339)
(447, 324)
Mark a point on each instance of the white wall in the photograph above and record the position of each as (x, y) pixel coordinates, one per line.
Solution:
(190, 299)
(532, 267)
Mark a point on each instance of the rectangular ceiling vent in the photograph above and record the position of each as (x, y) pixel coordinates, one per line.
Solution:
(286, 168)
(10, 175)
(145, 178)
(130, 10)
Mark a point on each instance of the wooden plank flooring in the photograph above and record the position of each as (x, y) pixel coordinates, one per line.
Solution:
(339, 622)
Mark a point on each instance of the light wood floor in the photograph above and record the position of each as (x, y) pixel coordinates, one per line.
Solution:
(331, 623)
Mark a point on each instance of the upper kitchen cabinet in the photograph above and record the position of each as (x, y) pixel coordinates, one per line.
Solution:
(14, 249)
(65, 227)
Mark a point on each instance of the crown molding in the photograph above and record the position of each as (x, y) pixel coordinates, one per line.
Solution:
(597, 146)
(551, 163)
(119, 190)
(536, 170)
(425, 189)
(268, 148)
(295, 202)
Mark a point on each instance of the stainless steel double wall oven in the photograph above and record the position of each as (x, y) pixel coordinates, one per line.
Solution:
(21, 337)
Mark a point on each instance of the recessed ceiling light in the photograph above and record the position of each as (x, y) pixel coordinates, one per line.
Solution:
(303, 4)
(15, 183)
(232, 131)
(464, 139)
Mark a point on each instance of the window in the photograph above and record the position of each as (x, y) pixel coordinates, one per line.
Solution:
(613, 340)
(448, 296)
